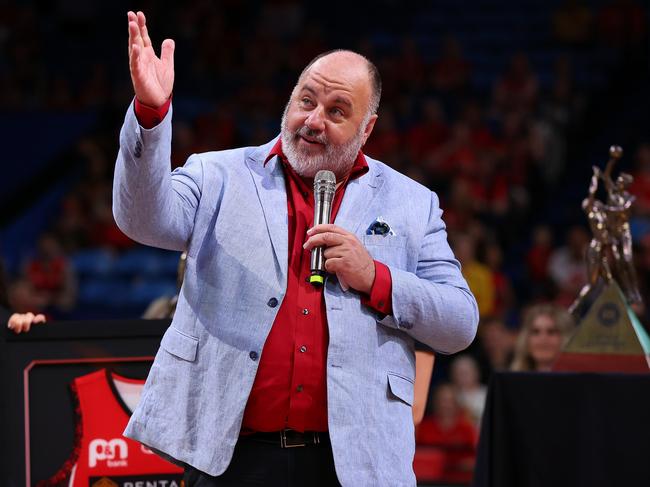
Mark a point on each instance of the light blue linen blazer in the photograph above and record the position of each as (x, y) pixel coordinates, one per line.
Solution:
(229, 211)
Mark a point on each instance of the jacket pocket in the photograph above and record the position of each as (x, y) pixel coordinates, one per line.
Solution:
(387, 249)
(179, 344)
(384, 241)
(401, 387)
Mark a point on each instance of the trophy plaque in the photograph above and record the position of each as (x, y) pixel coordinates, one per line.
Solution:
(609, 336)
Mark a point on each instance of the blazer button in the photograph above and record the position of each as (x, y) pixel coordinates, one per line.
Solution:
(137, 153)
(253, 355)
(273, 302)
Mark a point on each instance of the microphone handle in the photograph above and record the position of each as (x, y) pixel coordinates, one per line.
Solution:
(322, 212)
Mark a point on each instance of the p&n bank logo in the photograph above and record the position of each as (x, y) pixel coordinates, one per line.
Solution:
(114, 452)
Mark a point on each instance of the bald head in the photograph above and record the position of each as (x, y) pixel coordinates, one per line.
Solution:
(355, 65)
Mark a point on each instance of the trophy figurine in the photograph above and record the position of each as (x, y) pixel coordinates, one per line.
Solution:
(609, 336)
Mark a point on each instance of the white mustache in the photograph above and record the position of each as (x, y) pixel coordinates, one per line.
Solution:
(305, 131)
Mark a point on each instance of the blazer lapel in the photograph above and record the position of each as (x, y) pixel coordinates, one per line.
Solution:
(357, 207)
(358, 202)
(271, 190)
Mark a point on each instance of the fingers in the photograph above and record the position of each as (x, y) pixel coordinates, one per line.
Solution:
(134, 59)
(327, 227)
(335, 251)
(326, 234)
(135, 40)
(142, 23)
(334, 265)
(326, 239)
(13, 322)
(136, 24)
(167, 52)
(21, 322)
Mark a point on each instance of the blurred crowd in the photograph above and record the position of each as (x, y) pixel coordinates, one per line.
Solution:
(496, 153)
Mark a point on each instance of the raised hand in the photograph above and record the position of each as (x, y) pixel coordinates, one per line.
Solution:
(152, 77)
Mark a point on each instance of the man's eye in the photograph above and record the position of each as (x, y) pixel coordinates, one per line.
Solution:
(336, 111)
(306, 101)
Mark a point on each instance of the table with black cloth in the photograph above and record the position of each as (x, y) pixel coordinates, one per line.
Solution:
(565, 429)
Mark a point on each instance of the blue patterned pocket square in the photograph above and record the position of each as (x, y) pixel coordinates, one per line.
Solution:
(379, 227)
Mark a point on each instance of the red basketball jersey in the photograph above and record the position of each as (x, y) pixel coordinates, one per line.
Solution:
(102, 457)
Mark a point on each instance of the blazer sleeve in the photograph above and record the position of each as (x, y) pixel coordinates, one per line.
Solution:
(434, 305)
(152, 204)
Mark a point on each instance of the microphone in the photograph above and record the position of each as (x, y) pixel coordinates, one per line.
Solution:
(324, 188)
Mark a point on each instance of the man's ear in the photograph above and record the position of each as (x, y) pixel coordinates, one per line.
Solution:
(369, 126)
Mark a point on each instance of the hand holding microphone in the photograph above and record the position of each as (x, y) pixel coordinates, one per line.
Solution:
(334, 249)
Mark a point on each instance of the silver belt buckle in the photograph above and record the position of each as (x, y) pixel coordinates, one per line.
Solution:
(283, 441)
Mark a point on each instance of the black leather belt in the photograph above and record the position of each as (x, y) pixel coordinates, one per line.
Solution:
(290, 438)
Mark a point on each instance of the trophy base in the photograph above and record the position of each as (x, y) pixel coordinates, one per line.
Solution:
(609, 338)
(601, 362)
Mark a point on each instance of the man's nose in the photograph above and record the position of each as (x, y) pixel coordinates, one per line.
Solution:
(316, 121)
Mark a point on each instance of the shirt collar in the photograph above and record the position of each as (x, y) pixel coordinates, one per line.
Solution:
(359, 168)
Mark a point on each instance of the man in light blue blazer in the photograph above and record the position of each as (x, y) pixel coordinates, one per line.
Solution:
(229, 211)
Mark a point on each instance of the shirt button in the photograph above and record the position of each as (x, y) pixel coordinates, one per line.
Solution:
(381, 304)
(253, 355)
(299, 388)
(273, 302)
(303, 349)
(305, 311)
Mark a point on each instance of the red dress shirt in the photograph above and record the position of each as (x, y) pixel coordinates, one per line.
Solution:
(290, 388)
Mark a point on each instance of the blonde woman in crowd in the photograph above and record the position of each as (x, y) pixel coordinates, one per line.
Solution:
(546, 328)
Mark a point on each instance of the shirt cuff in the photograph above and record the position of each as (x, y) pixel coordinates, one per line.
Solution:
(380, 294)
(148, 117)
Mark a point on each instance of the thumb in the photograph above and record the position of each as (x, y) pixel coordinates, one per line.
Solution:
(344, 285)
(167, 52)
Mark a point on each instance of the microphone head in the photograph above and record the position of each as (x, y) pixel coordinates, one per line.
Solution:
(324, 181)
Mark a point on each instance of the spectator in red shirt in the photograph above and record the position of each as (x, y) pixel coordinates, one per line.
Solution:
(451, 71)
(450, 432)
(429, 133)
(503, 294)
(16, 322)
(537, 260)
(386, 140)
(566, 265)
(517, 88)
(622, 23)
(51, 275)
(471, 393)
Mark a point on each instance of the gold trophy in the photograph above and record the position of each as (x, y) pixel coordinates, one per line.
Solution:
(609, 336)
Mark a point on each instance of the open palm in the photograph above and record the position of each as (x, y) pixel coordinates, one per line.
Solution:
(152, 76)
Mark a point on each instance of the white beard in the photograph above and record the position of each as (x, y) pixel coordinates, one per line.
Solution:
(337, 158)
